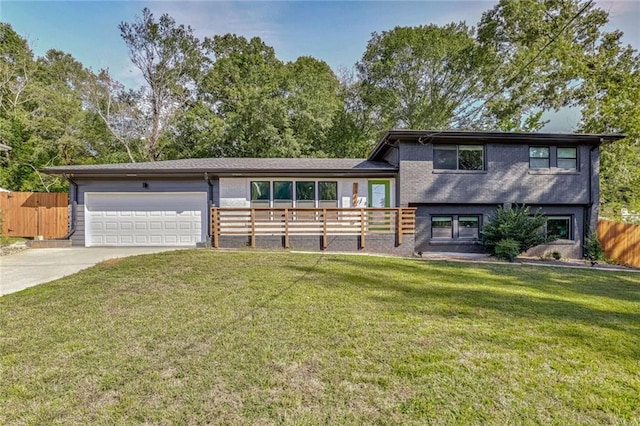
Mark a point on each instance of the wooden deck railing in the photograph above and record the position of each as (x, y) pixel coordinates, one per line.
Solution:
(323, 222)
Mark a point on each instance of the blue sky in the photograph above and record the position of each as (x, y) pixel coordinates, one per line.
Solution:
(336, 32)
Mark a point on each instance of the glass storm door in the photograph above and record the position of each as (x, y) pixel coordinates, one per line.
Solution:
(379, 198)
(379, 193)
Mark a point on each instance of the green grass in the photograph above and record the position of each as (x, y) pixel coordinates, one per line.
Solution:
(200, 337)
(7, 241)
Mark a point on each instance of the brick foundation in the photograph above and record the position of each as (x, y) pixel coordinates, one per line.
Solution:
(383, 244)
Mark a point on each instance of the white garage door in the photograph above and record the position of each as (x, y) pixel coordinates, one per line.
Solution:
(145, 219)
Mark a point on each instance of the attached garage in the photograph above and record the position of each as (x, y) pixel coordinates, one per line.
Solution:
(145, 219)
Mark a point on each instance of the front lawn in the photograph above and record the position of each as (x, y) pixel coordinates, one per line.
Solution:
(200, 337)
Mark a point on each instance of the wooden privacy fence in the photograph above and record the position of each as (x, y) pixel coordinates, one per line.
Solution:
(29, 214)
(324, 222)
(620, 241)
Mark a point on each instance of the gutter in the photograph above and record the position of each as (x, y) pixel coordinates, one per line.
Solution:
(73, 191)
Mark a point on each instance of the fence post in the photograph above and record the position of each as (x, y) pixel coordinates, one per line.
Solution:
(362, 228)
(214, 226)
(286, 228)
(324, 229)
(399, 225)
(253, 228)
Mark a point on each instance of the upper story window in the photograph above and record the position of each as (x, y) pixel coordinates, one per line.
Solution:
(539, 157)
(545, 157)
(567, 158)
(458, 157)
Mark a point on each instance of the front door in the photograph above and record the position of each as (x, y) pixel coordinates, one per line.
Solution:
(379, 193)
(379, 198)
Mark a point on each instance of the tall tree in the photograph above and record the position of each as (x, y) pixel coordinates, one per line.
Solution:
(171, 60)
(610, 99)
(352, 134)
(313, 99)
(119, 110)
(562, 56)
(542, 46)
(245, 88)
(41, 113)
(424, 77)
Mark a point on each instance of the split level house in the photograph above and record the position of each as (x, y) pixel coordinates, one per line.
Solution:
(418, 191)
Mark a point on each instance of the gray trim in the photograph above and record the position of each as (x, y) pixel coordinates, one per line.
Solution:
(423, 137)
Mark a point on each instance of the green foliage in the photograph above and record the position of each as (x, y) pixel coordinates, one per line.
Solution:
(611, 104)
(407, 77)
(41, 114)
(515, 224)
(230, 96)
(507, 249)
(593, 248)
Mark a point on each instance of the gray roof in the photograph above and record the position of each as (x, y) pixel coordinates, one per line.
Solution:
(232, 165)
(452, 136)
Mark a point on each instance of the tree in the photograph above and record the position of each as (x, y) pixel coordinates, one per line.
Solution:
(41, 113)
(119, 110)
(313, 99)
(542, 46)
(353, 133)
(246, 88)
(172, 61)
(424, 77)
(610, 99)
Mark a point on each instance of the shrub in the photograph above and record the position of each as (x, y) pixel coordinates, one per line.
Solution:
(556, 255)
(507, 249)
(515, 224)
(593, 248)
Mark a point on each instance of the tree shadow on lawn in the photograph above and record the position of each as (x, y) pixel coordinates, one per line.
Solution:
(460, 293)
(623, 286)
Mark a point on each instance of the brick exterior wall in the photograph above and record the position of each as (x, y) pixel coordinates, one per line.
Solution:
(382, 243)
(507, 179)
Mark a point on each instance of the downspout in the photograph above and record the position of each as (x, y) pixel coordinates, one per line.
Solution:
(73, 192)
(209, 204)
(587, 221)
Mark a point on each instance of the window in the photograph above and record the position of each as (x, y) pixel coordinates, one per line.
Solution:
(455, 227)
(282, 194)
(441, 227)
(468, 227)
(567, 158)
(306, 194)
(327, 194)
(260, 193)
(559, 226)
(458, 157)
(539, 157)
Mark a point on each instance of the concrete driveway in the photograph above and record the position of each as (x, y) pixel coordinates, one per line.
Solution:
(36, 266)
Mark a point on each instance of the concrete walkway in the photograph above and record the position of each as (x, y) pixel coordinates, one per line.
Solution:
(36, 266)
